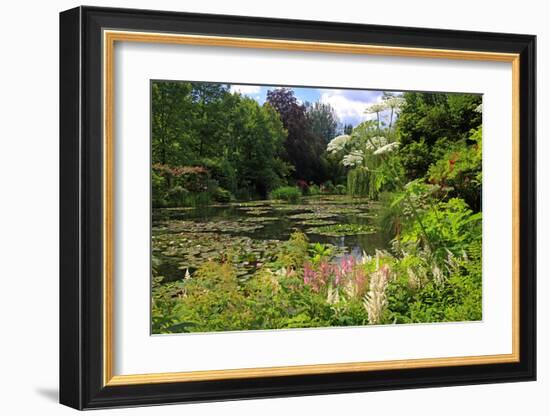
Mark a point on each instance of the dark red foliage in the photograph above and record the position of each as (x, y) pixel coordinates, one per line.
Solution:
(302, 184)
(178, 171)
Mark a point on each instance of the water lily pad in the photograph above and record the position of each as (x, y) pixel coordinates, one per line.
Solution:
(205, 226)
(366, 215)
(252, 204)
(255, 210)
(311, 216)
(248, 234)
(260, 219)
(338, 230)
(190, 250)
(340, 210)
(317, 222)
(293, 207)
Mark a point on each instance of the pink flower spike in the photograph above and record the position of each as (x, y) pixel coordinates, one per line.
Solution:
(324, 270)
(337, 274)
(309, 274)
(347, 264)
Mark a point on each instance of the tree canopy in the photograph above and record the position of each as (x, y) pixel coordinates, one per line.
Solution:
(304, 145)
(203, 124)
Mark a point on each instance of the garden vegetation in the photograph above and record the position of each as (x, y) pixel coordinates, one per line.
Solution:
(229, 174)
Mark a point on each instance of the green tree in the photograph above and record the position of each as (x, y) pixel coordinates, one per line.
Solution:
(323, 120)
(237, 140)
(347, 129)
(303, 149)
(257, 142)
(170, 102)
(429, 122)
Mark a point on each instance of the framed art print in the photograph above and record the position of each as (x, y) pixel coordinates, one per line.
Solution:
(258, 207)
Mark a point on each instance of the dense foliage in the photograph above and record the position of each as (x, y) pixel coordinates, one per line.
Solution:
(412, 170)
(306, 140)
(238, 142)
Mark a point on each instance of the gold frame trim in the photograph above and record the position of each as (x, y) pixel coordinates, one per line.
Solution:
(112, 36)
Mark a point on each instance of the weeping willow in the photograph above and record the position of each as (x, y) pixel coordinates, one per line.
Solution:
(362, 183)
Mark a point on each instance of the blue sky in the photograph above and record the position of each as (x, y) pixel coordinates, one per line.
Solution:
(348, 104)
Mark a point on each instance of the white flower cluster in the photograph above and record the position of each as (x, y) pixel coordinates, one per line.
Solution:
(354, 158)
(338, 143)
(375, 301)
(376, 142)
(479, 108)
(390, 147)
(375, 108)
(395, 103)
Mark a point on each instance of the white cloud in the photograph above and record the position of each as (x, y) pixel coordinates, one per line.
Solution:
(348, 108)
(245, 89)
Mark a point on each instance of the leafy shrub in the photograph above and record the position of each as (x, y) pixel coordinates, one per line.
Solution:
(458, 298)
(180, 185)
(416, 158)
(341, 189)
(460, 169)
(158, 185)
(307, 287)
(212, 300)
(164, 303)
(177, 195)
(328, 188)
(294, 252)
(200, 199)
(287, 193)
(222, 171)
(314, 190)
(448, 226)
(222, 195)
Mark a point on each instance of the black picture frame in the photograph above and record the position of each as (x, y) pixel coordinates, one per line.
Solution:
(81, 202)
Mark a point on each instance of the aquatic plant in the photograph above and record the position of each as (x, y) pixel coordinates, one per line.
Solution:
(260, 219)
(312, 215)
(317, 222)
(337, 230)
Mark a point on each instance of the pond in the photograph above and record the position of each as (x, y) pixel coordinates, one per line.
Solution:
(249, 233)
